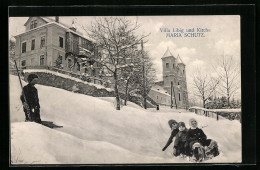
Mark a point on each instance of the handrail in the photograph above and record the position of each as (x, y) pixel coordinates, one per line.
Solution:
(215, 113)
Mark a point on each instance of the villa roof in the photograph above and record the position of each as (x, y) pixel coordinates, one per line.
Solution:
(49, 21)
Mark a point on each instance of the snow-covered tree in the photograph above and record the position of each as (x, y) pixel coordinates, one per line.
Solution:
(129, 71)
(146, 78)
(113, 36)
(139, 77)
(11, 53)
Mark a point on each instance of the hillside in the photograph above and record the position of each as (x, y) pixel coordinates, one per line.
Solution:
(94, 132)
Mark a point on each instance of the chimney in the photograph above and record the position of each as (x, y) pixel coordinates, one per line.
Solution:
(57, 19)
(73, 27)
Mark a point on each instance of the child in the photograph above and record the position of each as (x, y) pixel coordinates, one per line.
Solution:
(197, 140)
(180, 143)
(174, 127)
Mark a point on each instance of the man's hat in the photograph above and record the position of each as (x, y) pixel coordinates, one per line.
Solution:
(31, 77)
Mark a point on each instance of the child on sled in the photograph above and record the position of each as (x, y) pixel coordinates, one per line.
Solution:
(198, 145)
(174, 130)
(180, 143)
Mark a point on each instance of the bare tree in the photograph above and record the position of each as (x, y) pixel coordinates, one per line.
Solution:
(113, 36)
(228, 70)
(204, 86)
(193, 100)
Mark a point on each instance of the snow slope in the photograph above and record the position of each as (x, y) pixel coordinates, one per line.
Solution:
(95, 133)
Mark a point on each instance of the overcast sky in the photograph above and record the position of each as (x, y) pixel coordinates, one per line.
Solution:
(202, 52)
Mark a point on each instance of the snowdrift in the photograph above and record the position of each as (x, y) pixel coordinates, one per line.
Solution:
(95, 133)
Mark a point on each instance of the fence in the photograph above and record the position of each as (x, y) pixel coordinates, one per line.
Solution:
(231, 114)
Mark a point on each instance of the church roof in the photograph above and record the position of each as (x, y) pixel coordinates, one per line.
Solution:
(167, 53)
(160, 89)
(179, 60)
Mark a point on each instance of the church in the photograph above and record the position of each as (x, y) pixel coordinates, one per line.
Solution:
(172, 91)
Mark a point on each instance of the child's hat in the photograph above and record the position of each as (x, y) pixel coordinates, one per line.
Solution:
(181, 124)
(170, 122)
(192, 119)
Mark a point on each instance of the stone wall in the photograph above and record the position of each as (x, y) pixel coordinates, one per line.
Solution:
(48, 79)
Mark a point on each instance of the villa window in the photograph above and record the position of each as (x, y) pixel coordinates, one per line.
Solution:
(33, 24)
(23, 63)
(24, 47)
(167, 65)
(61, 42)
(179, 96)
(42, 42)
(33, 45)
(42, 60)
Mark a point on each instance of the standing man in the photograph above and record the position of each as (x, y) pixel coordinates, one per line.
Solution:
(32, 107)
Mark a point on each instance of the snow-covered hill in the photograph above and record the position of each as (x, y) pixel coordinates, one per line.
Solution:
(95, 133)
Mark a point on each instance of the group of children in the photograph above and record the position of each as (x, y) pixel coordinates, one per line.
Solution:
(191, 142)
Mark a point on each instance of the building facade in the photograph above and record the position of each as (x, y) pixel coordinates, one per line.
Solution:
(47, 42)
(174, 84)
(160, 95)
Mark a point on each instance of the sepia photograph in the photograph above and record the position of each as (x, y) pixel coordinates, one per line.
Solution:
(125, 89)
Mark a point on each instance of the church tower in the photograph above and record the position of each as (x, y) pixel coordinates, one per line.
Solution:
(174, 71)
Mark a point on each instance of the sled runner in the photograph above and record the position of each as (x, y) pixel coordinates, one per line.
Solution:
(200, 153)
(50, 124)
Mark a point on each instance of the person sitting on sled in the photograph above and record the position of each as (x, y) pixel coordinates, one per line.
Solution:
(180, 143)
(174, 130)
(199, 144)
(31, 104)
